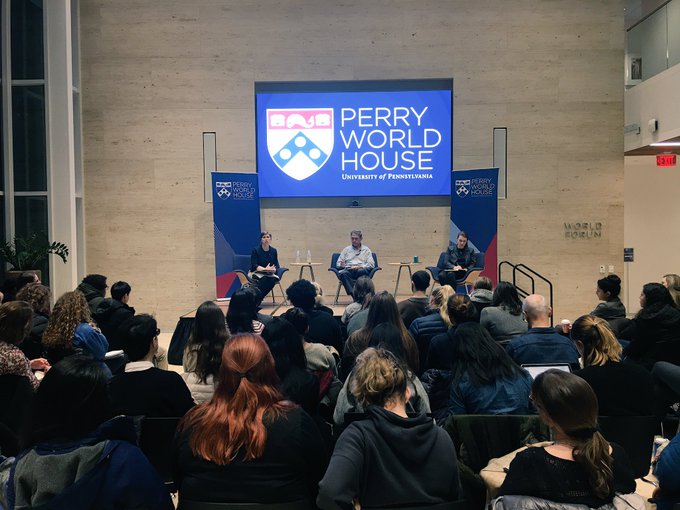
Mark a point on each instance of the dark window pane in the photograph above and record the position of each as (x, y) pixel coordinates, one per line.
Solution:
(28, 133)
(2, 144)
(31, 216)
(27, 40)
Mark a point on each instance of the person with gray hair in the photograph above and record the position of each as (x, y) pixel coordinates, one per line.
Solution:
(541, 344)
(354, 261)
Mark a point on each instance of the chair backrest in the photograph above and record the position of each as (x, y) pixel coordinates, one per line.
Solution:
(635, 434)
(334, 260)
(185, 504)
(242, 262)
(375, 259)
(441, 262)
(155, 440)
(479, 260)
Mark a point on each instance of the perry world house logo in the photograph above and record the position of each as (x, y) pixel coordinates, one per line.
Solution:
(462, 187)
(223, 189)
(300, 140)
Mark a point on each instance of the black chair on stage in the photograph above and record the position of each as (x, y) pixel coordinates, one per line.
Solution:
(467, 280)
(242, 270)
(635, 434)
(333, 268)
(185, 504)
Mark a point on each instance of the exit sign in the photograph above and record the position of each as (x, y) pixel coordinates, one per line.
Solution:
(665, 160)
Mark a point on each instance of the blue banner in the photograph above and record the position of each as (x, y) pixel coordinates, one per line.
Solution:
(236, 218)
(474, 210)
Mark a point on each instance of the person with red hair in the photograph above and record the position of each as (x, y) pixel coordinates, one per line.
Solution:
(247, 444)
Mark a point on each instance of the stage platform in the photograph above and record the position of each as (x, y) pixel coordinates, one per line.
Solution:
(186, 322)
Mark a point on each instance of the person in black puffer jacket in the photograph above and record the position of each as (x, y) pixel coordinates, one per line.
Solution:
(112, 313)
(436, 322)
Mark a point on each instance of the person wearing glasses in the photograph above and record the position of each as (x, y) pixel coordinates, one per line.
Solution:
(144, 389)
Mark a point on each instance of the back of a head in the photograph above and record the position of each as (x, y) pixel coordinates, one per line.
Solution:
(420, 280)
(383, 308)
(505, 296)
(599, 342)
(232, 420)
(673, 286)
(69, 311)
(378, 378)
(71, 401)
(536, 309)
(285, 344)
(440, 300)
(242, 311)
(570, 403)
(482, 283)
(363, 287)
(461, 309)
(209, 333)
(138, 333)
(98, 281)
(476, 353)
(656, 297)
(119, 290)
(318, 294)
(37, 295)
(298, 318)
(301, 294)
(15, 321)
(610, 283)
(387, 336)
(26, 278)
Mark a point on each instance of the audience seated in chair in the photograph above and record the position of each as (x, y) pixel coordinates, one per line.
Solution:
(93, 287)
(323, 328)
(435, 322)
(38, 296)
(77, 455)
(440, 353)
(622, 389)
(484, 378)
(416, 305)
(203, 353)
(319, 301)
(580, 467)
(388, 459)
(541, 344)
(248, 444)
(242, 312)
(112, 312)
(144, 389)
(608, 290)
(482, 293)
(363, 292)
(504, 319)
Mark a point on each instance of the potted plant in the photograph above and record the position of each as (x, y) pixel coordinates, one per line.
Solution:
(28, 253)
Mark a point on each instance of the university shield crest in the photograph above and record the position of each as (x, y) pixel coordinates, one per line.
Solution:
(300, 140)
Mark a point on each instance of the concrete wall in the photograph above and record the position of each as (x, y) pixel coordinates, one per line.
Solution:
(156, 74)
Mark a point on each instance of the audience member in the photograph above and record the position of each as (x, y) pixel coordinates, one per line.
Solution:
(27, 278)
(9, 289)
(580, 467)
(318, 300)
(144, 389)
(70, 331)
(672, 283)
(264, 262)
(354, 261)
(389, 459)
(436, 322)
(297, 383)
(482, 293)
(654, 333)
(622, 389)
(503, 319)
(387, 336)
(38, 296)
(323, 328)
(242, 313)
(93, 288)
(608, 290)
(112, 312)
(203, 353)
(77, 455)
(667, 471)
(362, 293)
(459, 257)
(440, 353)
(248, 444)
(541, 344)
(485, 380)
(383, 308)
(416, 305)
(15, 322)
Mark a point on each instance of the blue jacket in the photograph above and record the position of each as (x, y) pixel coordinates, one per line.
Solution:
(543, 346)
(504, 396)
(668, 472)
(103, 470)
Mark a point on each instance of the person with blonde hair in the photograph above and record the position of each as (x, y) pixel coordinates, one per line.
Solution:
(672, 283)
(70, 330)
(388, 459)
(460, 309)
(436, 322)
(580, 467)
(622, 389)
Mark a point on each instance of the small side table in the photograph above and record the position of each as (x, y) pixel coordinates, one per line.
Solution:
(402, 265)
(303, 265)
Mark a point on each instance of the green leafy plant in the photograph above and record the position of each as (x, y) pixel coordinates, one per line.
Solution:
(25, 253)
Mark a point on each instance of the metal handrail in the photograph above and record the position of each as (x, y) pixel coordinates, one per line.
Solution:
(532, 275)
